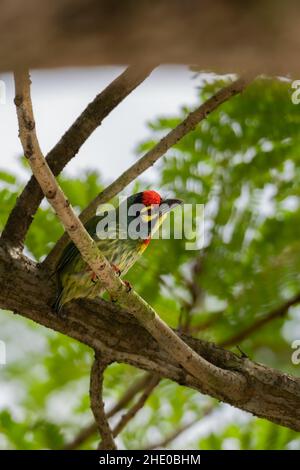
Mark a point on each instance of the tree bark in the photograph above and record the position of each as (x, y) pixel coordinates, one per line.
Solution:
(22, 214)
(28, 290)
(192, 362)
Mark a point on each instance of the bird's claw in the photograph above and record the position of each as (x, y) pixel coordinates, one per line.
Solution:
(116, 269)
(94, 278)
(128, 286)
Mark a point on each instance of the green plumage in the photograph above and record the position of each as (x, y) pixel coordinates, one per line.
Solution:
(75, 277)
(115, 241)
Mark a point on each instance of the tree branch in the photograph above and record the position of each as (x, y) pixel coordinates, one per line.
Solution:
(21, 216)
(136, 407)
(97, 404)
(151, 157)
(171, 437)
(90, 429)
(261, 322)
(167, 440)
(28, 290)
(196, 365)
(205, 325)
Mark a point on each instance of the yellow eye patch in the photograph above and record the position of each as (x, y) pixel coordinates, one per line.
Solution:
(148, 217)
(149, 213)
(159, 220)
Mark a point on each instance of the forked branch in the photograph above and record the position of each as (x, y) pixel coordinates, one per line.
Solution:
(21, 216)
(152, 156)
(231, 382)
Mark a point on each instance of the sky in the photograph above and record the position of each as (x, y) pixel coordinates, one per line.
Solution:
(60, 95)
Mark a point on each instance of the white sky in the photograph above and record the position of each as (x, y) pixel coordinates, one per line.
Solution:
(60, 95)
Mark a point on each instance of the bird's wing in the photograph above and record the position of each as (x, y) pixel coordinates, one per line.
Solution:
(71, 251)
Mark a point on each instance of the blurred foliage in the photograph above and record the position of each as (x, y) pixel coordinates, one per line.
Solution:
(258, 434)
(242, 162)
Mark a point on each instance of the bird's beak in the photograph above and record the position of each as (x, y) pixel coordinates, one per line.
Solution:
(168, 204)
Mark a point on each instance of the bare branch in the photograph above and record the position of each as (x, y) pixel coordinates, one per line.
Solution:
(261, 322)
(83, 435)
(29, 200)
(171, 437)
(196, 293)
(223, 375)
(214, 318)
(90, 429)
(151, 157)
(148, 382)
(97, 404)
(196, 365)
(137, 406)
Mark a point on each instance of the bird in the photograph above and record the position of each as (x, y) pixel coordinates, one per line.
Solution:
(121, 239)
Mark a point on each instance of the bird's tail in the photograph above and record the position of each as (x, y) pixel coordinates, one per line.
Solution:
(57, 304)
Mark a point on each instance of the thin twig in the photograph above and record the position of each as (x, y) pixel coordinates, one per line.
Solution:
(21, 216)
(151, 157)
(136, 407)
(97, 404)
(149, 382)
(171, 437)
(215, 378)
(196, 293)
(212, 320)
(90, 429)
(261, 322)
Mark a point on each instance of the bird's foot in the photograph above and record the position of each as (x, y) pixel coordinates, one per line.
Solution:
(116, 269)
(94, 278)
(128, 286)
(93, 275)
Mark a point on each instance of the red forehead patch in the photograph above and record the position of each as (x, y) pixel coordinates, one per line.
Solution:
(151, 197)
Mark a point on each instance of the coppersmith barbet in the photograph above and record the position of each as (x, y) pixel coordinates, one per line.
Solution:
(122, 243)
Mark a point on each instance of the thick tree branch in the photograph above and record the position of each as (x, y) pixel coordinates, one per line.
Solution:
(27, 289)
(29, 200)
(106, 328)
(97, 404)
(196, 365)
(151, 157)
